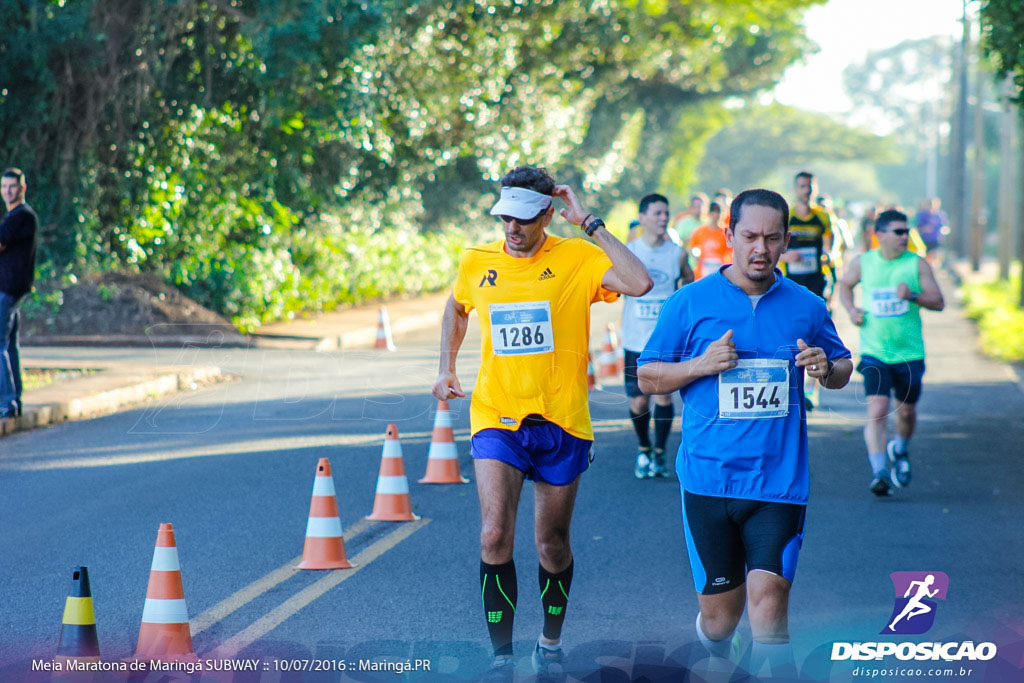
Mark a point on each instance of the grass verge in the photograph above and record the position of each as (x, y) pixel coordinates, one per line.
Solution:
(993, 305)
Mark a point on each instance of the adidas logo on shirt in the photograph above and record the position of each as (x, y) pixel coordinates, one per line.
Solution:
(546, 275)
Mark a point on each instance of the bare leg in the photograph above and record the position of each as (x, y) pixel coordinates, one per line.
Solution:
(553, 508)
(769, 607)
(498, 486)
(876, 430)
(720, 613)
(906, 419)
(639, 404)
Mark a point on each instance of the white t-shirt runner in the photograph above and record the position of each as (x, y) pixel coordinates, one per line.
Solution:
(639, 314)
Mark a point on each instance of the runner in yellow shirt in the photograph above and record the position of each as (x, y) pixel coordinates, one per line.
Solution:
(529, 415)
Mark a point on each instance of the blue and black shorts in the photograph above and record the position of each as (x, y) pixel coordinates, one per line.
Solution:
(728, 537)
(540, 449)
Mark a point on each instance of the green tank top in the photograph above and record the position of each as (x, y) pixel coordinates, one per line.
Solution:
(892, 326)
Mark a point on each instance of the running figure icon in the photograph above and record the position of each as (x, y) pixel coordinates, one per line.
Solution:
(915, 607)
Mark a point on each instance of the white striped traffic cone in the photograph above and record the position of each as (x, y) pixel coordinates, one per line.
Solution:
(607, 363)
(392, 503)
(325, 545)
(443, 456)
(384, 338)
(164, 634)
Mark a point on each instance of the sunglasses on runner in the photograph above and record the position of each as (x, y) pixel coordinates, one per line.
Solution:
(901, 231)
(521, 221)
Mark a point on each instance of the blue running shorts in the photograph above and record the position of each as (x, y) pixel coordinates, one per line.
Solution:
(540, 449)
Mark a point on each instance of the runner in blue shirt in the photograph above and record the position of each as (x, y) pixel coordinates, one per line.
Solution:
(736, 344)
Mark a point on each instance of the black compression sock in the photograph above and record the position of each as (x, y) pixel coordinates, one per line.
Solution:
(554, 596)
(641, 423)
(499, 591)
(663, 416)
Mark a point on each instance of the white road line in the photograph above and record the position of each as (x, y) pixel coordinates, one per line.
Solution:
(260, 586)
(243, 639)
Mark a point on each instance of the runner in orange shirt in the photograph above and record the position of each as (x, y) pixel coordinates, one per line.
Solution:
(707, 244)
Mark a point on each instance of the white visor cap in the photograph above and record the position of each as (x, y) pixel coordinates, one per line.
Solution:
(519, 202)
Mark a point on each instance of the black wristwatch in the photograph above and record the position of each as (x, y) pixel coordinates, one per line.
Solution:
(592, 228)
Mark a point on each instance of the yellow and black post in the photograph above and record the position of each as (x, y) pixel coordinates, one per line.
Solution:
(78, 639)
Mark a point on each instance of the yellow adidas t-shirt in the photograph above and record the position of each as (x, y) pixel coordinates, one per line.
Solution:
(535, 327)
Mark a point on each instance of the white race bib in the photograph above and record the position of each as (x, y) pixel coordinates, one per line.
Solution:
(755, 388)
(808, 262)
(885, 303)
(648, 309)
(521, 328)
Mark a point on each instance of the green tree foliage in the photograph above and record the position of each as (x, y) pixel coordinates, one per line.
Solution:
(274, 156)
(765, 144)
(900, 88)
(1002, 27)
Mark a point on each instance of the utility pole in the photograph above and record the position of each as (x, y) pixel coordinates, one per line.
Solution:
(958, 146)
(931, 175)
(978, 212)
(1020, 202)
(1007, 171)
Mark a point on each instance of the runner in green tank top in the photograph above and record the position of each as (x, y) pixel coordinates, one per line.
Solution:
(895, 285)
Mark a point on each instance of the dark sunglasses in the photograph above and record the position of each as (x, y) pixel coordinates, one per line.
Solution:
(521, 221)
(899, 231)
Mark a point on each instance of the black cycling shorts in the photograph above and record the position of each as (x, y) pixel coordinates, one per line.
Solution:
(728, 537)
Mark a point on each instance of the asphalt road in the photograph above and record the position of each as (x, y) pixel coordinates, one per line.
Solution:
(231, 466)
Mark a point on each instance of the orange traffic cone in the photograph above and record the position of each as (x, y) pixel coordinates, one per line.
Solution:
(443, 456)
(620, 353)
(607, 363)
(164, 634)
(325, 546)
(384, 339)
(591, 380)
(78, 639)
(392, 503)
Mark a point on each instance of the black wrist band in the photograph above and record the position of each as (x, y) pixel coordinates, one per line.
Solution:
(592, 228)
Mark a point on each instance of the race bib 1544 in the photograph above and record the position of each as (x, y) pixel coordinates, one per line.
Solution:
(755, 388)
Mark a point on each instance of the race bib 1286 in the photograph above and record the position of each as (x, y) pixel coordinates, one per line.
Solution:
(519, 329)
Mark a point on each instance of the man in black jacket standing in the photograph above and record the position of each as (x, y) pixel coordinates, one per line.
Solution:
(17, 267)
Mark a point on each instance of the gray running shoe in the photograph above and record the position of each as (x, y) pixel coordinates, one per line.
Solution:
(881, 485)
(658, 468)
(899, 465)
(547, 661)
(503, 668)
(642, 470)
